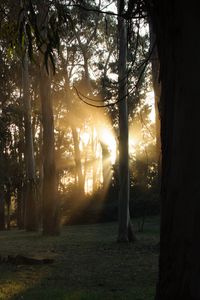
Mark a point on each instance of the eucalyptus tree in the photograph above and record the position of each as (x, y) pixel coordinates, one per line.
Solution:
(10, 111)
(74, 115)
(125, 228)
(178, 52)
(3, 129)
(31, 214)
(9, 142)
(157, 91)
(81, 51)
(104, 67)
(2, 195)
(49, 197)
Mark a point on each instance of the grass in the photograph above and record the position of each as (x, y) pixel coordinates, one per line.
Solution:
(89, 264)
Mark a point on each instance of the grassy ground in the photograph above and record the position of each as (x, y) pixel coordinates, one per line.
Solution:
(89, 264)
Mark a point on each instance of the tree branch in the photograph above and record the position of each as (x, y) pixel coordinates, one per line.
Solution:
(110, 13)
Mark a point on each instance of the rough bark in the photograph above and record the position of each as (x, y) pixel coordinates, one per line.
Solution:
(125, 227)
(179, 264)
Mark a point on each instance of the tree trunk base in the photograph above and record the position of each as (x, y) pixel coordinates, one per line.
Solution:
(128, 236)
(131, 235)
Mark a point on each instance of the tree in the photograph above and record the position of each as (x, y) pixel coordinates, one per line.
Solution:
(2, 163)
(106, 167)
(178, 49)
(31, 218)
(125, 228)
(77, 158)
(157, 90)
(50, 206)
(2, 209)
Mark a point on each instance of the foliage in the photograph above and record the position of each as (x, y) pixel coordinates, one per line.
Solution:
(82, 46)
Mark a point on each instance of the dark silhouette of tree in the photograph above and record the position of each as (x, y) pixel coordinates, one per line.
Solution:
(175, 27)
(157, 89)
(49, 196)
(174, 24)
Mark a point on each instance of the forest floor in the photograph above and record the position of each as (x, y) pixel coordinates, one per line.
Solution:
(88, 264)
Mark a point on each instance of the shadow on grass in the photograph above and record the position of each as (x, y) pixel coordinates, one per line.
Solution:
(88, 265)
(53, 293)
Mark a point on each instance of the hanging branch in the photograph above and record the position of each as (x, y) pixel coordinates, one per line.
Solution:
(134, 15)
(134, 88)
(145, 125)
(80, 95)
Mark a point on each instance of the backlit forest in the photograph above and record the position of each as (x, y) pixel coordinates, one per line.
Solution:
(60, 111)
(99, 150)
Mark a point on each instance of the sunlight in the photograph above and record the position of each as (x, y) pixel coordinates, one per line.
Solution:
(101, 155)
(98, 143)
(88, 185)
(107, 137)
(85, 137)
(132, 144)
(150, 99)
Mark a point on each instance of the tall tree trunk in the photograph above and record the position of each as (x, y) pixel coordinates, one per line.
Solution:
(77, 157)
(125, 233)
(50, 205)
(20, 195)
(8, 204)
(41, 172)
(2, 193)
(20, 185)
(106, 168)
(94, 165)
(2, 208)
(31, 221)
(157, 90)
(179, 264)
(20, 207)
